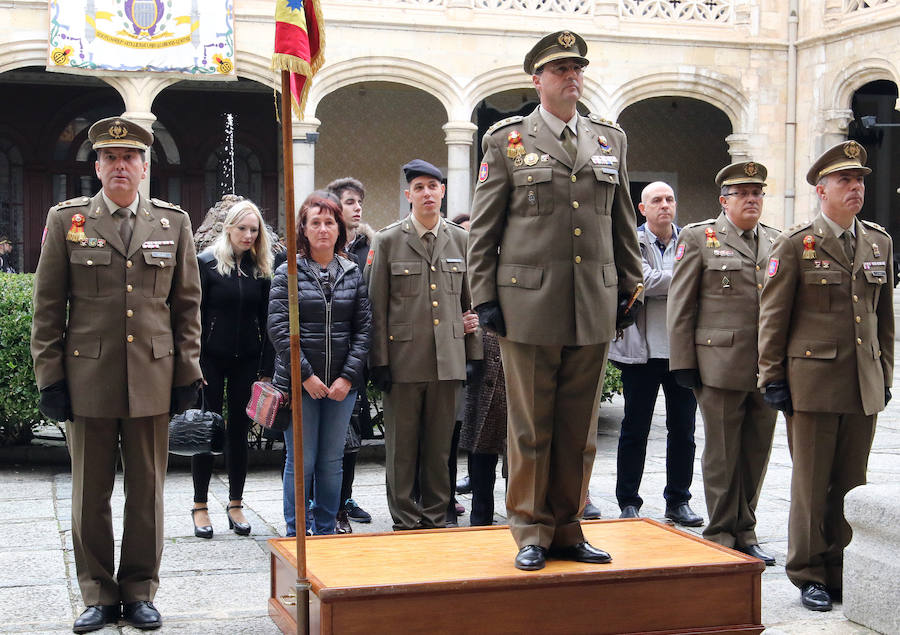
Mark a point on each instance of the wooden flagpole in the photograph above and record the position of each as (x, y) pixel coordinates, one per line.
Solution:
(287, 152)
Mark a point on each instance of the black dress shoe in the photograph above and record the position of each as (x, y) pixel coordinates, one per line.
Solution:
(591, 511)
(241, 529)
(682, 514)
(531, 558)
(201, 532)
(464, 485)
(630, 511)
(582, 552)
(756, 552)
(141, 615)
(814, 597)
(95, 617)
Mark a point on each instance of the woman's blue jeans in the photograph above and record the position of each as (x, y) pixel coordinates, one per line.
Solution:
(324, 434)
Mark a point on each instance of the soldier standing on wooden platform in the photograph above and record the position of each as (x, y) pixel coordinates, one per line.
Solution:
(712, 322)
(826, 359)
(116, 348)
(553, 261)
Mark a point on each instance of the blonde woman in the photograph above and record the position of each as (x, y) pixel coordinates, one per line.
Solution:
(235, 275)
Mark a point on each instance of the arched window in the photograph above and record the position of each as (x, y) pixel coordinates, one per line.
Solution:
(11, 198)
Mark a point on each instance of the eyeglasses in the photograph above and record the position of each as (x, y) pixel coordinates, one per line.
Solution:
(742, 195)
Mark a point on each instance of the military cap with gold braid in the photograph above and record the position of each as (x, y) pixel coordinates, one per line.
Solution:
(742, 172)
(848, 155)
(556, 46)
(118, 132)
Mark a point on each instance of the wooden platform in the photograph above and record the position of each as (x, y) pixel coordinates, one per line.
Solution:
(661, 580)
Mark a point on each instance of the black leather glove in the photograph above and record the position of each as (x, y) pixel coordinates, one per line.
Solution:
(687, 378)
(887, 395)
(184, 397)
(54, 402)
(778, 396)
(625, 316)
(473, 369)
(381, 378)
(491, 317)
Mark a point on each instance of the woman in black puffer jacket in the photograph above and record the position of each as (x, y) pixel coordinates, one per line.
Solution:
(235, 276)
(334, 345)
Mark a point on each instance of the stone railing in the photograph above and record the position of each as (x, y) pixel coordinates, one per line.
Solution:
(570, 7)
(851, 6)
(715, 11)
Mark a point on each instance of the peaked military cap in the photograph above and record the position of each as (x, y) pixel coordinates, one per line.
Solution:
(848, 155)
(556, 46)
(418, 167)
(4, 240)
(118, 132)
(742, 172)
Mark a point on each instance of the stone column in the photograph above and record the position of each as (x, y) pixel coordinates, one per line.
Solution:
(305, 134)
(837, 124)
(738, 146)
(146, 119)
(458, 137)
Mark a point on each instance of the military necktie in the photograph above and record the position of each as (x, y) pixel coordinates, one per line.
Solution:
(124, 220)
(849, 248)
(428, 239)
(568, 143)
(750, 238)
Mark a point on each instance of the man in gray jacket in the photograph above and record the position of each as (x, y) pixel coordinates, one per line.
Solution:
(642, 354)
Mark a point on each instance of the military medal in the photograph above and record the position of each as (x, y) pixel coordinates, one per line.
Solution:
(76, 233)
(92, 242)
(164, 222)
(773, 267)
(514, 148)
(101, 242)
(531, 158)
(483, 172)
(518, 162)
(723, 252)
(875, 251)
(822, 264)
(809, 247)
(545, 158)
(711, 240)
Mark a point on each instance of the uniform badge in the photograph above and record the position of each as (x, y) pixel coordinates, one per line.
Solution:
(875, 251)
(483, 172)
(545, 158)
(723, 252)
(92, 242)
(750, 169)
(514, 146)
(604, 142)
(531, 197)
(726, 283)
(101, 242)
(595, 159)
(851, 149)
(76, 231)
(518, 161)
(370, 257)
(773, 267)
(531, 158)
(83, 242)
(711, 240)
(809, 247)
(822, 264)
(44, 236)
(164, 222)
(679, 253)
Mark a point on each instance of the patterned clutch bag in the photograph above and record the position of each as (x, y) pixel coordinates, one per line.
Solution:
(268, 406)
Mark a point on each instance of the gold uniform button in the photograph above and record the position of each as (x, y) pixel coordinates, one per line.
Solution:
(858, 319)
(574, 178)
(76, 353)
(709, 341)
(434, 303)
(879, 353)
(433, 268)
(514, 280)
(90, 262)
(577, 231)
(129, 264)
(436, 321)
(406, 271)
(724, 267)
(129, 288)
(759, 285)
(824, 281)
(433, 287)
(530, 178)
(391, 338)
(858, 341)
(129, 313)
(162, 263)
(853, 276)
(455, 268)
(855, 298)
(171, 351)
(130, 338)
(757, 267)
(575, 204)
(808, 353)
(577, 259)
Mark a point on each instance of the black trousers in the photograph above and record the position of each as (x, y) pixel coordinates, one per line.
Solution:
(239, 375)
(640, 385)
(482, 475)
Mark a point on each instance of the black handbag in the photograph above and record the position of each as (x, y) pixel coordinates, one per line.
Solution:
(197, 431)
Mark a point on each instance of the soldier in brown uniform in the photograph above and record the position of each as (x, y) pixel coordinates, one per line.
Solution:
(712, 322)
(116, 348)
(419, 293)
(552, 253)
(826, 357)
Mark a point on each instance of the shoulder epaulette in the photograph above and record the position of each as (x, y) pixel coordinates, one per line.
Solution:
(158, 203)
(78, 201)
(796, 229)
(386, 227)
(605, 122)
(504, 122)
(708, 221)
(874, 225)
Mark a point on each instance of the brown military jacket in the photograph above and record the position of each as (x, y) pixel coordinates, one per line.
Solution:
(417, 304)
(713, 304)
(554, 242)
(133, 326)
(827, 327)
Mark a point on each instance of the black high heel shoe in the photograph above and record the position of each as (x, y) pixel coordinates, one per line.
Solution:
(201, 532)
(241, 529)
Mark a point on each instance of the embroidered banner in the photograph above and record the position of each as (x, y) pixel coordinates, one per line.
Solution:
(194, 37)
(299, 46)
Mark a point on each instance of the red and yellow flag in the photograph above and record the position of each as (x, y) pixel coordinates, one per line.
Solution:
(299, 46)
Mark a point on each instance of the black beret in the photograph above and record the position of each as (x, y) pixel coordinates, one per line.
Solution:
(418, 167)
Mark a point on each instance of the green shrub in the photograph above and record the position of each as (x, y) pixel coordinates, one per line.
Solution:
(18, 392)
(612, 383)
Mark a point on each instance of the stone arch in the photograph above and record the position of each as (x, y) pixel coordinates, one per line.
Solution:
(257, 68)
(387, 69)
(704, 85)
(856, 75)
(20, 53)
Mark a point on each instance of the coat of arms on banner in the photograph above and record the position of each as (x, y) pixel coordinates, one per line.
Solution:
(194, 37)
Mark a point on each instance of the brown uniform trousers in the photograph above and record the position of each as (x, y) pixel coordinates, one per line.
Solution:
(712, 322)
(121, 325)
(417, 330)
(827, 327)
(553, 240)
